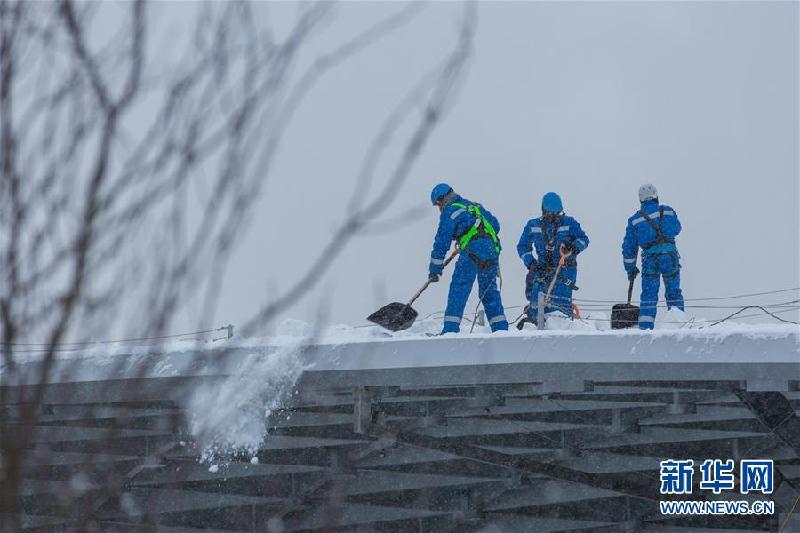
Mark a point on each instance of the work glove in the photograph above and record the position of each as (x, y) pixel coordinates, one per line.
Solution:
(570, 249)
(433, 278)
(633, 273)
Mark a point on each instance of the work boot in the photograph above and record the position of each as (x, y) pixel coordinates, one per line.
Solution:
(525, 320)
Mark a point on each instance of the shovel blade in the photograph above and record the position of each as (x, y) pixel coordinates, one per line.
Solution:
(395, 317)
(624, 316)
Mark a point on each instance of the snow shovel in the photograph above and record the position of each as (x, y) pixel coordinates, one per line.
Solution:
(548, 296)
(563, 257)
(625, 315)
(398, 316)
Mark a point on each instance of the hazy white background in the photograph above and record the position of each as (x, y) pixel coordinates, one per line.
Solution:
(586, 99)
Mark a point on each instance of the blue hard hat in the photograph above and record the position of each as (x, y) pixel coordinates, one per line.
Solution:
(439, 191)
(551, 202)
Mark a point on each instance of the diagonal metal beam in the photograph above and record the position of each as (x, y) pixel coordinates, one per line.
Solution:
(774, 411)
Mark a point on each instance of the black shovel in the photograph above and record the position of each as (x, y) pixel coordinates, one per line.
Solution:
(625, 315)
(399, 316)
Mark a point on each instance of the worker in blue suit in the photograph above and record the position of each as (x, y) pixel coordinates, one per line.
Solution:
(475, 231)
(551, 235)
(653, 228)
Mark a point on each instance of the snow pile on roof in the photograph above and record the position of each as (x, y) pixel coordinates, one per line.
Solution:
(672, 322)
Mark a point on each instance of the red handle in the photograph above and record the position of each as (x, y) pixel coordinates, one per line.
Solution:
(563, 255)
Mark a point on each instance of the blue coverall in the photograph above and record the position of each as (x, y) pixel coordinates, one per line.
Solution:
(546, 235)
(660, 257)
(479, 259)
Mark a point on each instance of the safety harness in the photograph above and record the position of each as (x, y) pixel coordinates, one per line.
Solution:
(550, 245)
(481, 228)
(660, 239)
(659, 229)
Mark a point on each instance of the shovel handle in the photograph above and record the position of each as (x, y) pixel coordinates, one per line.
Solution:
(630, 291)
(422, 289)
(561, 259)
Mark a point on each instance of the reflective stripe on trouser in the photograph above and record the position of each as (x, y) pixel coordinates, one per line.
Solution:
(654, 267)
(498, 318)
(461, 285)
(561, 298)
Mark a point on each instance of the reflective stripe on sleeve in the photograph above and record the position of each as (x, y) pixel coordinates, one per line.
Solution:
(437, 261)
(456, 213)
(536, 229)
(630, 260)
(563, 228)
(656, 214)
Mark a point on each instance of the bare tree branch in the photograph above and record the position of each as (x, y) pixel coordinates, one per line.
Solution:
(124, 187)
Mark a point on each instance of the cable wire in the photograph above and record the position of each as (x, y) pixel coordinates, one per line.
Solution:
(708, 298)
(63, 346)
(753, 307)
(789, 515)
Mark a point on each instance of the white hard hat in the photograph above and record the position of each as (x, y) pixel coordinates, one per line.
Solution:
(647, 192)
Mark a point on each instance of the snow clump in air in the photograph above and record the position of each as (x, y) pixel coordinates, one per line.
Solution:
(229, 416)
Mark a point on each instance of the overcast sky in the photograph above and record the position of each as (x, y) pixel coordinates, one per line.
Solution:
(586, 99)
